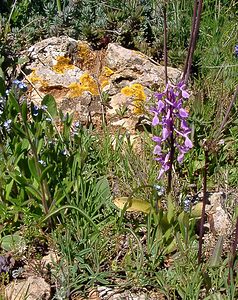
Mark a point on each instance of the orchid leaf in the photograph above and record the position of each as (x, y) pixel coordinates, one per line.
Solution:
(216, 255)
(133, 204)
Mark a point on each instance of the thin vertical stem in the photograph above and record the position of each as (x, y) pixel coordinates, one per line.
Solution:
(165, 43)
(227, 113)
(194, 40)
(201, 232)
(166, 82)
(191, 37)
(233, 252)
(59, 6)
(7, 26)
(171, 159)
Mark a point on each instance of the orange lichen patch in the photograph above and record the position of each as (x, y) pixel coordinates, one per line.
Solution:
(136, 91)
(62, 64)
(86, 84)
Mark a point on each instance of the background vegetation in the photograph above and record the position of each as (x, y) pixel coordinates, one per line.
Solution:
(56, 187)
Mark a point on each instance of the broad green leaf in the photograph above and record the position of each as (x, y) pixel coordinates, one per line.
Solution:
(196, 211)
(33, 169)
(19, 179)
(50, 102)
(17, 158)
(1, 75)
(8, 188)
(2, 58)
(59, 195)
(179, 242)
(45, 172)
(36, 193)
(133, 204)
(199, 164)
(65, 207)
(171, 208)
(216, 296)
(24, 111)
(25, 144)
(40, 145)
(22, 60)
(103, 188)
(14, 102)
(10, 242)
(182, 220)
(2, 86)
(168, 233)
(171, 247)
(217, 252)
(17, 128)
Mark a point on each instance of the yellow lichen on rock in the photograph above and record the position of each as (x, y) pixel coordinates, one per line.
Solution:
(86, 84)
(89, 84)
(86, 57)
(83, 50)
(103, 83)
(107, 72)
(62, 64)
(136, 91)
(33, 78)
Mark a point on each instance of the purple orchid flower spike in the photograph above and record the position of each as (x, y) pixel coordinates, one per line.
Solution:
(170, 116)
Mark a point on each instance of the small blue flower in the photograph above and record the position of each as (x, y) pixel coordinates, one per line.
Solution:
(77, 124)
(75, 127)
(17, 272)
(7, 125)
(20, 85)
(187, 204)
(65, 152)
(42, 162)
(15, 82)
(35, 111)
(160, 190)
(44, 107)
(236, 50)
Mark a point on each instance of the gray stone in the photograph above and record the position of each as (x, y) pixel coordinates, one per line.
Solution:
(32, 288)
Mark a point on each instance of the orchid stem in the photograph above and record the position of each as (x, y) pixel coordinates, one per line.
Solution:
(201, 232)
(165, 43)
(233, 253)
(166, 82)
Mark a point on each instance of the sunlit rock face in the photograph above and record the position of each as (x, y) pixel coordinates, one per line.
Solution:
(80, 78)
